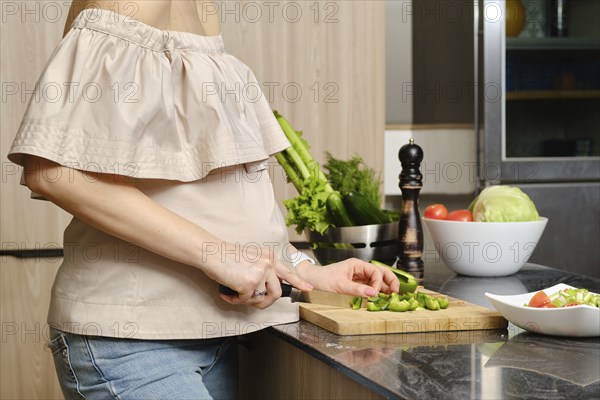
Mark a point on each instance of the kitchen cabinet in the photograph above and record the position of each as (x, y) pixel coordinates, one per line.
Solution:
(272, 367)
(553, 84)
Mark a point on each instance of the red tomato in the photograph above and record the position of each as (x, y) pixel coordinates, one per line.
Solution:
(540, 299)
(436, 211)
(460, 215)
(549, 305)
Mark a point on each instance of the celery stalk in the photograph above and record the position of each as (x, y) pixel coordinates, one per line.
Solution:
(299, 145)
(309, 209)
(297, 163)
(290, 171)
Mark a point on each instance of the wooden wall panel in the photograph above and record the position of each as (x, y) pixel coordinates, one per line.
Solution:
(334, 51)
(28, 35)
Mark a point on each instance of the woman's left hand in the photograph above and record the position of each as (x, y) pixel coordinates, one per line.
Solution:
(353, 277)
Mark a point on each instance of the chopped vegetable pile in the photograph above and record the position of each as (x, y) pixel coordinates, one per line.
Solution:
(564, 298)
(402, 302)
(405, 300)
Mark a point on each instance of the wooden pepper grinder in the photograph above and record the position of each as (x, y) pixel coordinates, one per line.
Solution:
(410, 232)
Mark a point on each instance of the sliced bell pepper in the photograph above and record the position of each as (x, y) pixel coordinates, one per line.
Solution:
(408, 283)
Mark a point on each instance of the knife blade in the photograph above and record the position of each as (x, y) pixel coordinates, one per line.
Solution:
(286, 290)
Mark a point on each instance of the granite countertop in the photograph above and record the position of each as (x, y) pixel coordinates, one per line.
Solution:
(487, 364)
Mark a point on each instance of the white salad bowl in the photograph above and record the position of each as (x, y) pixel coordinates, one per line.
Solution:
(485, 248)
(580, 321)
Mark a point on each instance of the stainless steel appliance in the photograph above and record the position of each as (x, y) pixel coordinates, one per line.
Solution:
(538, 121)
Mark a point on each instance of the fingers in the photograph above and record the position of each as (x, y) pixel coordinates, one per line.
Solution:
(388, 281)
(241, 297)
(271, 293)
(262, 296)
(368, 273)
(391, 282)
(294, 280)
(379, 279)
(360, 289)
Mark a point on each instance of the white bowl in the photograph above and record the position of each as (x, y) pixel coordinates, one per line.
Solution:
(581, 321)
(485, 248)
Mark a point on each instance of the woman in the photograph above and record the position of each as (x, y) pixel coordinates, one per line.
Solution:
(166, 180)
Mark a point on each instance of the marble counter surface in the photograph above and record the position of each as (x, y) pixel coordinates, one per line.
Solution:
(490, 364)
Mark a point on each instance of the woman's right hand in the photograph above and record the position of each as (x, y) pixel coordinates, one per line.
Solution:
(251, 272)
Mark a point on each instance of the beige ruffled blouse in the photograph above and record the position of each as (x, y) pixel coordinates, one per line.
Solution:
(189, 121)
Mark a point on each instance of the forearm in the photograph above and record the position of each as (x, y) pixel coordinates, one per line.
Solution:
(309, 272)
(112, 204)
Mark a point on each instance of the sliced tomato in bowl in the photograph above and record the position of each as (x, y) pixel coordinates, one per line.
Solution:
(582, 321)
(540, 299)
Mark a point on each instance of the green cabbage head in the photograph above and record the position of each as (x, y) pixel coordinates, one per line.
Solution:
(503, 204)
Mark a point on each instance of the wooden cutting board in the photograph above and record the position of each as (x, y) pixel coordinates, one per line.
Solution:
(343, 320)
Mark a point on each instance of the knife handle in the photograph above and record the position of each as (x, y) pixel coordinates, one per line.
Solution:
(286, 290)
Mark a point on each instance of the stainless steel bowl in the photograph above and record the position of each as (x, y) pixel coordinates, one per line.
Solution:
(369, 242)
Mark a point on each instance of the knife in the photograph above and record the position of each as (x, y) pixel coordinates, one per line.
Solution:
(286, 290)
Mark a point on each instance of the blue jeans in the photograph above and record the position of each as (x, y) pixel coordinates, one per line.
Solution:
(94, 367)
